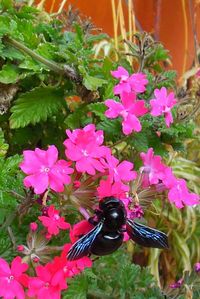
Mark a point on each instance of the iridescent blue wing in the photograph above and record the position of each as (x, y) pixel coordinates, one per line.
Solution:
(82, 247)
(146, 236)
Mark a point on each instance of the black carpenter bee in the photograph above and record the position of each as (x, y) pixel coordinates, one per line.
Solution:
(111, 222)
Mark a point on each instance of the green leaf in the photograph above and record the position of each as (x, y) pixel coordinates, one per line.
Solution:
(27, 12)
(26, 28)
(77, 118)
(98, 109)
(7, 25)
(5, 4)
(77, 288)
(10, 180)
(9, 74)
(94, 38)
(3, 146)
(93, 83)
(11, 53)
(35, 106)
(112, 128)
(140, 142)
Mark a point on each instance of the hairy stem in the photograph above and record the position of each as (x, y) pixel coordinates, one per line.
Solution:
(64, 70)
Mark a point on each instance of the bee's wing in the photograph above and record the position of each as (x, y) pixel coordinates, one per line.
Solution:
(82, 246)
(146, 236)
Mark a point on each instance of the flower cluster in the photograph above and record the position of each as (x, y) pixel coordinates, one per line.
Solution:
(130, 108)
(156, 173)
(89, 170)
(49, 281)
(45, 170)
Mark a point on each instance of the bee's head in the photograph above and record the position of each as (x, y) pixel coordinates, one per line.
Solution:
(108, 203)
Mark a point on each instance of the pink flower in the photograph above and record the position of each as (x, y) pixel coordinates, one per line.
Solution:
(180, 195)
(44, 285)
(119, 171)
(162, 104)
(197, 267)
(53, 222)
(130, 109)
(177, 284)
(135, 83)
(169, 179)
(33, 226)
(84, 147)
(63, 269)
(12, 279)
(197, 74)
(153, 167)
(20, 248)
(136, 212)
(107, 188)
(44, 170)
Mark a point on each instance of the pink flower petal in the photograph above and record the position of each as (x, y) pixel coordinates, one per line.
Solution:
(39, 182)
(114, 108)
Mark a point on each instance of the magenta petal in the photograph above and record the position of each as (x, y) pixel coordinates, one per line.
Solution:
(168, 118)
(72, 151)
(4, 268)
(51, 155)
(39, 182)
(18, 290)
(18, 267)
(62, 224)
(139, 108)
(120, 72)
(43, 273)
(128, 99)
(125, 171)
(156, 108)
(84, 165)
(122, 87)
(114, 108)
(55, 183)
(30, 164)
(131, 124)
(41, 155)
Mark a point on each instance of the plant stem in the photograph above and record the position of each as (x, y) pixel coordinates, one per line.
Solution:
(61, 70)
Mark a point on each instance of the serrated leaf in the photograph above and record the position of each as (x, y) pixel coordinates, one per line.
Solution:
(93, 83)
(26, 28)
(112, 128)
(140, 142)
(98, 109)
(35, 106)
(76, 119)
(7, 25)
(9, 74)
(3, 145)
(27, 12)
(11, 53)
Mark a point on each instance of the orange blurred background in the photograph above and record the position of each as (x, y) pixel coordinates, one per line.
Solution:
(171, 21)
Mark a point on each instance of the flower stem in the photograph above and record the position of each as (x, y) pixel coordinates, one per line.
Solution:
(65, 70)
(84, 213)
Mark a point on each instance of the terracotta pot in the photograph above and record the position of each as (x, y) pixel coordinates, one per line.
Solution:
(170, 21)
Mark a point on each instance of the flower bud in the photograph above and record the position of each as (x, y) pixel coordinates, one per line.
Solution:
(20, 248)
(33, 226)
(197, 267)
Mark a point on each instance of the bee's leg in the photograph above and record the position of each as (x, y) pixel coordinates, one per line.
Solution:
(95, 259)
(122, 230)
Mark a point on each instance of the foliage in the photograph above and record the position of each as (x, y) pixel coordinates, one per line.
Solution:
(51, 80)
(129, 281)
